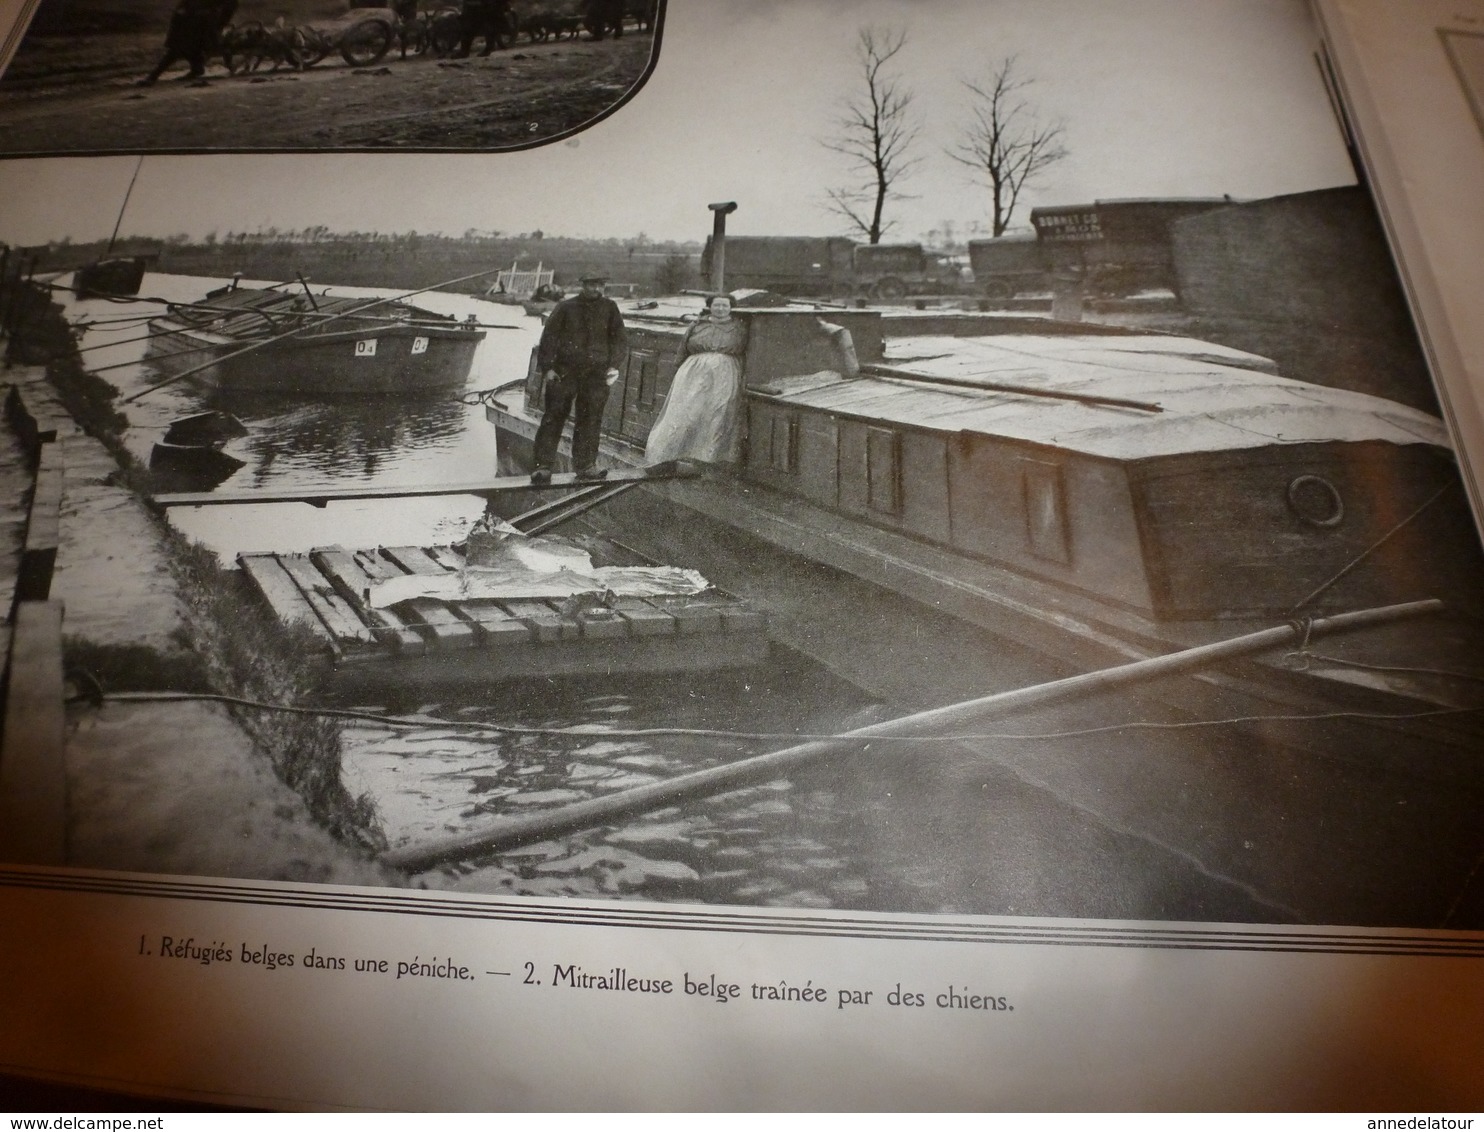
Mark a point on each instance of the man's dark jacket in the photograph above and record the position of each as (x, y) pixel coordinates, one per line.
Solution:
(582, 336)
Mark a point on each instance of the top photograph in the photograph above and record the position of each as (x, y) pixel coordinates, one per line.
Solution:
(223, 76)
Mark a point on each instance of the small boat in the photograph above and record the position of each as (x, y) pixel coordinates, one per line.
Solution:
(278, 340)
(113, 276)
(110, 278)
(209, 429)
(189, 456)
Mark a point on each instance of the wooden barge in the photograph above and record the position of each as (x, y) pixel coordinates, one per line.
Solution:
(281, 340)
(118, 277)
(427, 641)
(1095, 495)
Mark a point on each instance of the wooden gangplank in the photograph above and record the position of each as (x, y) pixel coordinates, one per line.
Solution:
(428, 641)
(487, 489)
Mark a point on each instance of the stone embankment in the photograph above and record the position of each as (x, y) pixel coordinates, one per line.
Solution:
(156, 787)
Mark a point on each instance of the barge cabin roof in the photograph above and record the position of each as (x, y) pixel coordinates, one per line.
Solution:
(1207, 399)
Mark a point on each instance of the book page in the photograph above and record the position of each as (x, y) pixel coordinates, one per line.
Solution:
(970, 650)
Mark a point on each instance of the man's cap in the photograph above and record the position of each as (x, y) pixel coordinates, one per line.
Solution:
(592, 276)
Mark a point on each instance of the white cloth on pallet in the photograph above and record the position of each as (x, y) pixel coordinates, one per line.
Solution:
(503, 564)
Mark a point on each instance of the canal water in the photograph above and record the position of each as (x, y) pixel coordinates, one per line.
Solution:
(1050, 814)
(799, 842)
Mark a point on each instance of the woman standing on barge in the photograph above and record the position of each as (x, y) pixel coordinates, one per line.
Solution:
(701, 419)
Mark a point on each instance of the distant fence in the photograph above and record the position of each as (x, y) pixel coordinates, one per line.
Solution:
(521, 283)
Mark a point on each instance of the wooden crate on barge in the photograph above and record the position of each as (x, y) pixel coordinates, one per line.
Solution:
(430, 641)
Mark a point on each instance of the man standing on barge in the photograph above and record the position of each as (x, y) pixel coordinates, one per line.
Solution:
(582, 346)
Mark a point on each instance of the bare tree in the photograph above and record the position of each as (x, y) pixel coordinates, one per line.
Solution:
(874, 129)
(1005, 140)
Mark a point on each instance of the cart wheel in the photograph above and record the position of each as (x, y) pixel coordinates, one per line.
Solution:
(998, 289)
(316, 47)
(366, 43)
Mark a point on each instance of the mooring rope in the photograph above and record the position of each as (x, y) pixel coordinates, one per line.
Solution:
(1368, 551)
(591, 732)
(486, 396)
(1450, 673)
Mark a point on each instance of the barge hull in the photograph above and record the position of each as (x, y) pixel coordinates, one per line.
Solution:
(795, 559)
(387, 364)
(1179, 820)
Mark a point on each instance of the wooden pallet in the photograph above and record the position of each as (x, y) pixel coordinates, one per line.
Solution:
(433, 641)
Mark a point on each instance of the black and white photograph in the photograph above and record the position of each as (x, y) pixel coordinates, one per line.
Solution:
(935, 461)
(170, 76)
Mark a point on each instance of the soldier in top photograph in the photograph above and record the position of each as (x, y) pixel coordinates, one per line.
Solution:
(195, 27)
(488, 18)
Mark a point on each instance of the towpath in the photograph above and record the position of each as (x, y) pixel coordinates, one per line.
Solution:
(150, 787)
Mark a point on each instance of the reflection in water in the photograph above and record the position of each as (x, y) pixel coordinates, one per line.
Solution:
(175, 468)
(324, 440)
(786, 842)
